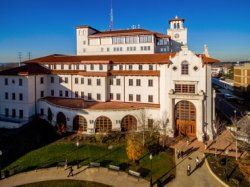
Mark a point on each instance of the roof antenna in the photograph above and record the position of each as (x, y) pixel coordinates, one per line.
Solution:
(29, 55)
(111, 17)
(20, 58)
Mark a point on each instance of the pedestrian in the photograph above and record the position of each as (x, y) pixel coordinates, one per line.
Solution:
(182, 154)
(188, 170)
(178, 153)
(70, 171)
(65, 164)
(197, 162)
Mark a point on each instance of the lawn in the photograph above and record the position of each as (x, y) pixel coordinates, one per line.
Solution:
(65, 183)
(227, 169)
(63, 149)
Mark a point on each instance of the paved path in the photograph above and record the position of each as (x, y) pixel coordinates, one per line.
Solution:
(101, 175)
(199, 177)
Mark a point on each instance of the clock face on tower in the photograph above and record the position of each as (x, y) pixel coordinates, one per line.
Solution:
(176, 35)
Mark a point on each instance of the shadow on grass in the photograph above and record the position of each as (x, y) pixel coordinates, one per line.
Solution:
(143, 171)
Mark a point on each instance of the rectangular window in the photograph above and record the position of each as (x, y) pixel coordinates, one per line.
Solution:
(130, 82)
(150, 67)
(13, 113)
(70, 67)
(98, 96)
(76, 94)
(51, 79)
(140, 67)
(76, 80)
(118, 96)
(42, 94)
(98, 82)
(130, 67)
(6, 112)
(89, 82)
(41, 80)
(62, 66)
(150, 83)
(6, 82)
(184, 88)
(150, 98)
(120, 67)
(110, 67)
(145, 38)
(130, 97)
(6, 95)
(21, 113)
(138, 98)
(66, 80)
(20, 82)
(20, 96)
(150, 123)
(60, 93)
(111, 96)
(77, 66)
(52, 92)
(138, 82)
(141, 48)
(184, 68)
(82, 94)
(82, 80)
(91, 66)
(66, 93)
(13, 96)
(110, 81)
(89, 96)
(118, 82)
(60, 80)
(100, 67)
(55, 66)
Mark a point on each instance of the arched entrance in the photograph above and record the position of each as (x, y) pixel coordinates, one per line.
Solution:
(49, 115)
(185, 118)
(61, 124)
(128, 123)
(103, 124)
(79, 123)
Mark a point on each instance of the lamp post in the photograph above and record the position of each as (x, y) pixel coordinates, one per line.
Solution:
(77, 144)
(151, 157)
(1, 153)
(236, 144)
(226, 152)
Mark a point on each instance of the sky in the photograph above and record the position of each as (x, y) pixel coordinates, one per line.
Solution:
(45, 27)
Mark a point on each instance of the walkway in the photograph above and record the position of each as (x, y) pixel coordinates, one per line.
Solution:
(101, 175)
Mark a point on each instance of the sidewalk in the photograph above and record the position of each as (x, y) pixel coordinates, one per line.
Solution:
(101, 175)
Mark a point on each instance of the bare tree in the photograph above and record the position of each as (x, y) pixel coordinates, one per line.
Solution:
(142, 120)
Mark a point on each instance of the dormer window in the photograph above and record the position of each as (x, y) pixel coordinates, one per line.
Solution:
(184, 68)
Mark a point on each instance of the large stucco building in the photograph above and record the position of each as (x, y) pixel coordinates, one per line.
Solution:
(119, 80)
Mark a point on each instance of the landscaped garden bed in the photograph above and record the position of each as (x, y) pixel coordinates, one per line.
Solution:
(227, 169)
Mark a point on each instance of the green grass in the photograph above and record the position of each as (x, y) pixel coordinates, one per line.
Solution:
(65, 183)
(61, 150)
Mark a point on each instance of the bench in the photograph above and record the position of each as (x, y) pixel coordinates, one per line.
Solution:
(60, 164)
(114, 168)
(94, 164)
(134, 174)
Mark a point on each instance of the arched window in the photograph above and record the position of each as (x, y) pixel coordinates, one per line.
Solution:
(178, 25)
(128, 123)
(103, 124)
(174, 25)
(79, 123)
(184, 68)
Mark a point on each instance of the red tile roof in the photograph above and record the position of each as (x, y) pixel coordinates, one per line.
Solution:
(115, 59)
(127, 32)
(176, 19)
(25, 70)
(134, 73)
(208, 60)
(81, 104)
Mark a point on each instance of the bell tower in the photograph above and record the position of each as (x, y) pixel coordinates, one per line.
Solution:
(178, 33)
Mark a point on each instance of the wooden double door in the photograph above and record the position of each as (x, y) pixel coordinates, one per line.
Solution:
(185, 118)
